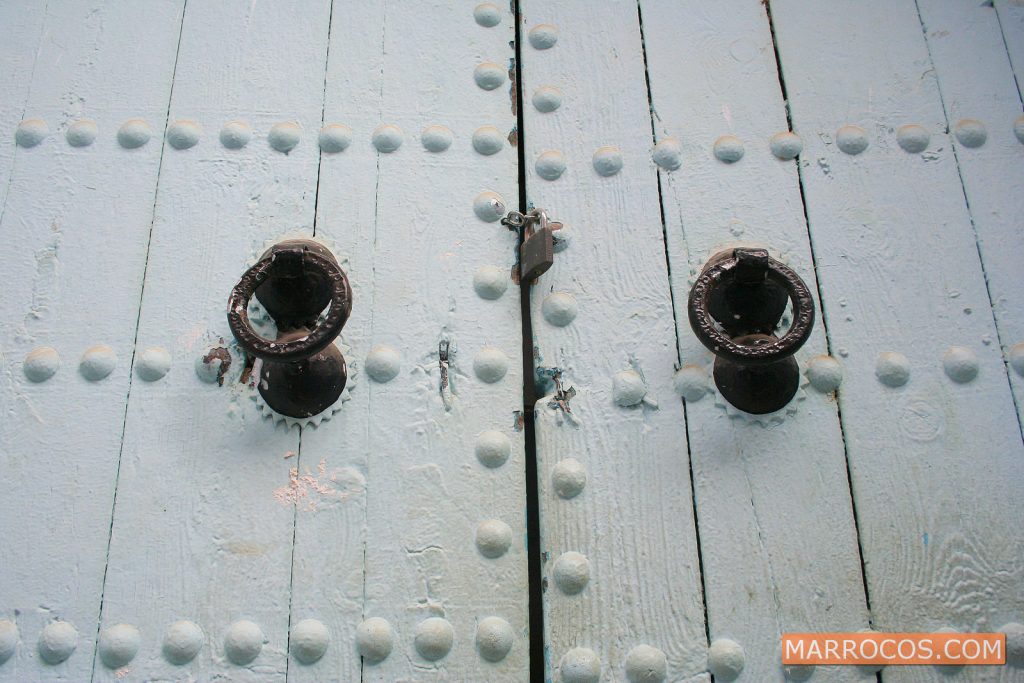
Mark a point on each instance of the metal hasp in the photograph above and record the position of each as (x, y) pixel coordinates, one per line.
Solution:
(735, 307)
(303, 371)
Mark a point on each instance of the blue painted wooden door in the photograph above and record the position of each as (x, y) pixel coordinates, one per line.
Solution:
(161, 523)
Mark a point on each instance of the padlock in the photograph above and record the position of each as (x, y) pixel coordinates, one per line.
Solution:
(537, 253)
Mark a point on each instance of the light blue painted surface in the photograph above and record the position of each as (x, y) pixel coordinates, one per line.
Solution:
(198, 532)
(901, 273)
(209, 523)
(75, 226)
(633, 521)
(771, 496)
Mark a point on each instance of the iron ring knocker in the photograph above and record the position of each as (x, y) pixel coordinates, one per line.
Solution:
(323, 333)
(734, 307)
(303, 372)
(709, 334)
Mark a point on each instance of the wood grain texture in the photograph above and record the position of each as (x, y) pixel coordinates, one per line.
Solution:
(1011, 21)
(776, 496)
(203, 521)
(936, 465)
(634, 520)
(405, 223)
(982, 88)
(219, 515)
(429, 492)
(328, 574)
(18, 55)
(74, 235)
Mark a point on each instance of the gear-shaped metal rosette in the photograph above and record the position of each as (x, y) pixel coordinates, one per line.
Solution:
(267, 412)
(767, 419)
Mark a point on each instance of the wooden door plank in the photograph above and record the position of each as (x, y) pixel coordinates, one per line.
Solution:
(935, 463)
(982, 107)
(773, 495)
(74, 236)
(328, 566)
(405, 220)
(633, 521)
(18, 53)
(203, 523)
(1011, 21)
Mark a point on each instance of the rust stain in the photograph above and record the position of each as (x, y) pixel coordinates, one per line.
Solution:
(247, 548)
(247, 370)
(513, 137)
(221, 354)
(512, 89)
(562, 396)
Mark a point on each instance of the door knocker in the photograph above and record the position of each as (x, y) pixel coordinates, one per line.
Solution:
(303, 372)
(734, 308)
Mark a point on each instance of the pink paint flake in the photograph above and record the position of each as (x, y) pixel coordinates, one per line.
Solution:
(304, 490)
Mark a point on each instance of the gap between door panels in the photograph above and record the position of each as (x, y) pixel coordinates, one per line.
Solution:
(135, 343)
(538, 669)
(533, 548)
(824, 317)
(824, 323)
(675, 326)
(298, 456)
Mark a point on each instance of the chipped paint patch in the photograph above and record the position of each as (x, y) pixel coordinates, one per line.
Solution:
(308, 491)
(214, 364)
